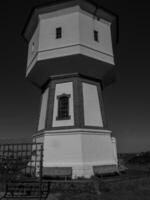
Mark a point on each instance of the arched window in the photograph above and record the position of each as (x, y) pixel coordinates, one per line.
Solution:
(63, 107)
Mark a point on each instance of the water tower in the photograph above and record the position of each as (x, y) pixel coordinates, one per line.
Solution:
(71, 54)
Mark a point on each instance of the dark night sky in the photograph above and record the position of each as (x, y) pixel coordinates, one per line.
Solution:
(127, 102)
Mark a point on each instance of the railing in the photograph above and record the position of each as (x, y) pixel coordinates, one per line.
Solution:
(21, 169)
(27, 189)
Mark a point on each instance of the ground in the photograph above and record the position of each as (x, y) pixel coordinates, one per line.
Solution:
(135, 185)
(129, 190)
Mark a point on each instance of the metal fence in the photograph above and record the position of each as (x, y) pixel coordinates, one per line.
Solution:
(21, 160)
(21, 166)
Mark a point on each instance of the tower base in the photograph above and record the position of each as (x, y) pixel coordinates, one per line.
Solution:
(78, 152)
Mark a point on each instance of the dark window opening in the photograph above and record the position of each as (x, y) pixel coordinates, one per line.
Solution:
(63, 107)
(58, 32)
(96, 36)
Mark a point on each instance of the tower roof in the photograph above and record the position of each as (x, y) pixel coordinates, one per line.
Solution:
(91, 6)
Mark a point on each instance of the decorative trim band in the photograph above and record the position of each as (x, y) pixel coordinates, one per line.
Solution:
(79, 164)
(74, 131)
(68, 46)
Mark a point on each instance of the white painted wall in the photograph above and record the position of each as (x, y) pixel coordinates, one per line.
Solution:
(98, 149)
(87, 23)
(61, 88)
(62, 150)
(115, 149)
(34, 40)
(91, 102)
(80, 149)
(77, 28)
(42, 118)
(70, 32)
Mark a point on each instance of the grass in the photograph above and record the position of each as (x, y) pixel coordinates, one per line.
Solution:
(130, 190)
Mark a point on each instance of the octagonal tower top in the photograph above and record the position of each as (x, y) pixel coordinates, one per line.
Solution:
(70, 36)
(91, 6)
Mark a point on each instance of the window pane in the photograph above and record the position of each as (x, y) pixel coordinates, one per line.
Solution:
(96, 36)
(63, 107)
(58, 32)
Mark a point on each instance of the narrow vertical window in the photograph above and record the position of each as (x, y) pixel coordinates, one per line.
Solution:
(33, 47)
(96, 38)
(58, 33)
(63, 107)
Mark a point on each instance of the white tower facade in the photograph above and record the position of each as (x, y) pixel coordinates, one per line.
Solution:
(71, 51)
